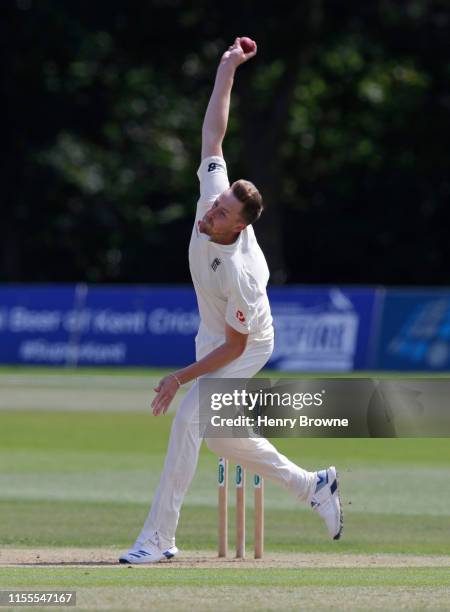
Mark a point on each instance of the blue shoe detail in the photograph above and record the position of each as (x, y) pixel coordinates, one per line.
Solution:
(326, 501)
(322, 479)
(151, 555)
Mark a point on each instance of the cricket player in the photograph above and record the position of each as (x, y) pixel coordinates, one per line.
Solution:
(235, 339)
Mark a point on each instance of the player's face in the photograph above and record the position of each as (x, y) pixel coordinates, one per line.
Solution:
(223, 220)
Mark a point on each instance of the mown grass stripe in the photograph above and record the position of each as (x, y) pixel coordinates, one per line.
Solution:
(170, 576)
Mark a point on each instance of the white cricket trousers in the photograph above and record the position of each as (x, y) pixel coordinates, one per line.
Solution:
(256, 454)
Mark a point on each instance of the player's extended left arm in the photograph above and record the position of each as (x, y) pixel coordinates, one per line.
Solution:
(231, 349)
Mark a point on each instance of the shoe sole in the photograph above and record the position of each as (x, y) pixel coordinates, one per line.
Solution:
(341, 514)
(125, 561)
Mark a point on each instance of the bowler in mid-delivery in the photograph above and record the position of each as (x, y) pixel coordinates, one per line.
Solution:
(235, 339)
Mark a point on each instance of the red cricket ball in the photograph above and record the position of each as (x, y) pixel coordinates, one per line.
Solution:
(248, 45)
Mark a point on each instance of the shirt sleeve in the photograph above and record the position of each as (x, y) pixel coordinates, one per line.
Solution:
(213, 177)
(241, 305)
(238, 315)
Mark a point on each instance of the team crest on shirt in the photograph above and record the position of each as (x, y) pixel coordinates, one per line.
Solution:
(215, 264)
(211, 167)
(240, 316)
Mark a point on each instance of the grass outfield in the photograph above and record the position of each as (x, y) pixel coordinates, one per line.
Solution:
(80, 456)
(262, 589)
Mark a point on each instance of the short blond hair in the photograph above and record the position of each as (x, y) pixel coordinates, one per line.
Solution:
(249, 196)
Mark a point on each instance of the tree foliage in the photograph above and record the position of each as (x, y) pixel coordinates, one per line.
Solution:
(342, 120)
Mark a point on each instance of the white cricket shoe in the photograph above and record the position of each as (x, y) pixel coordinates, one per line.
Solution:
(326, 502)
(148, 553)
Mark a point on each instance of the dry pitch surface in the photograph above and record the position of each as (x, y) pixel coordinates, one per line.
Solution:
(80, 557)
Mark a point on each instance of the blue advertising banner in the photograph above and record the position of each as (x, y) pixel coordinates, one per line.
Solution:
(97, 325)
(144, 326)
(322, 328)
(316, 329)
(415, 331)
(31, 317)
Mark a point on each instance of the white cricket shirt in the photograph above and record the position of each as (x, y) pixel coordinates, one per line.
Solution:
(230, 280)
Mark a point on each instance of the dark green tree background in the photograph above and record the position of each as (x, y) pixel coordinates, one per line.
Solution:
(342, 120)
